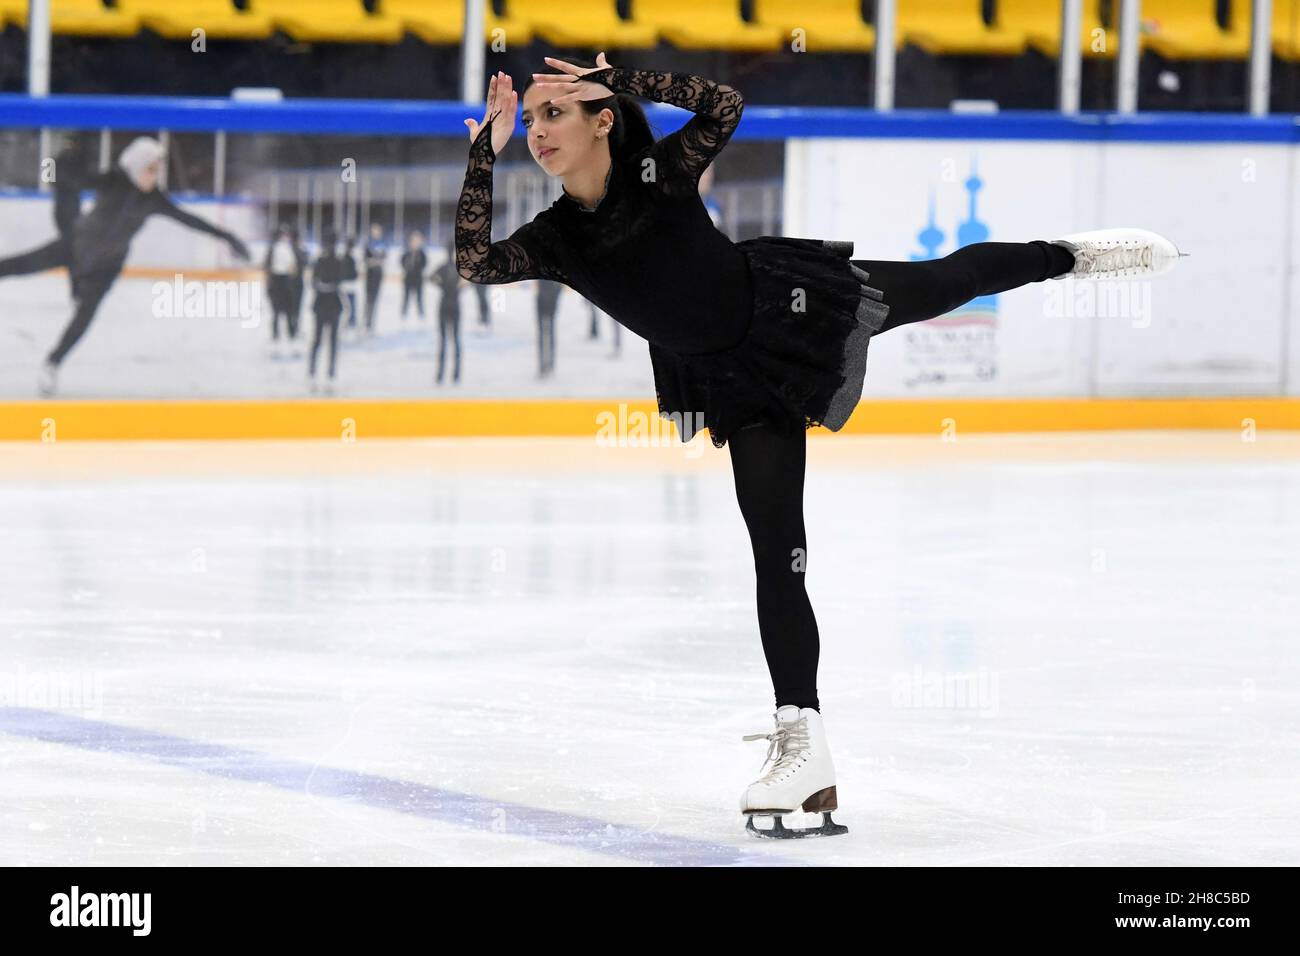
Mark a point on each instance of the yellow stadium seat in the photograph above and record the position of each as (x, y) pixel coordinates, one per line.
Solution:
(955, 27)
(442, 22)
(594, 24)
(328, 21)
(707, 25)
(218, 18)
(831, 26)
(1188, 30)
(86, 18)
(1286, 26)
(1041, 21)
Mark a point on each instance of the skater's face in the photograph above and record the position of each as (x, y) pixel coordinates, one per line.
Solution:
(148, 178)
(562, 138)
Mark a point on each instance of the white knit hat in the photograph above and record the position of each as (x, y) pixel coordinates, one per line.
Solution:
(138, 154)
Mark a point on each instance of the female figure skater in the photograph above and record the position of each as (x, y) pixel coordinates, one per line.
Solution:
(762, 338)
(100, 239)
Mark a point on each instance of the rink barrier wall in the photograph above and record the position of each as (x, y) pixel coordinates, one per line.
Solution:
(349, 419)
(27, 421)
(446, 117)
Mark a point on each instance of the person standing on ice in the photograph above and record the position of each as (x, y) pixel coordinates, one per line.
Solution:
(414, 262)
(375, 254)
(100, 239)
(449, 284)
(327, 277)
(548, 301)
(756, 340)
(283, 266)
(348, 287)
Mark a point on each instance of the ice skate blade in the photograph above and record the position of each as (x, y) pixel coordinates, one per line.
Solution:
(779, 831)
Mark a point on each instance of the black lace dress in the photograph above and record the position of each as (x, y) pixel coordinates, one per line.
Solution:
(768, 330)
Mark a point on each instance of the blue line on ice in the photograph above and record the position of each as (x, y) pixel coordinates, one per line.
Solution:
(443, 806)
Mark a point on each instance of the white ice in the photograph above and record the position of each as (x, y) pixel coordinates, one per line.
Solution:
(504, 651)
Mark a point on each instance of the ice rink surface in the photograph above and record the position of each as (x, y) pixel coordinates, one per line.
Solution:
(1066, 649)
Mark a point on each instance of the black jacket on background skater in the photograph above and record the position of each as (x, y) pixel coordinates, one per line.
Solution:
(101, 238)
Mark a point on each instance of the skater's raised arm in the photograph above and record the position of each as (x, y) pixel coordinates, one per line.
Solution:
(168, 208)
(478, 258)
(717, 108)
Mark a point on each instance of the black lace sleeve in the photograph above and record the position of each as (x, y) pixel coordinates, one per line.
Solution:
(717, 108)
(478, 258)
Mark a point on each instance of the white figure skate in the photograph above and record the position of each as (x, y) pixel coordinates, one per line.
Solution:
(802, 776)
(1118, 253)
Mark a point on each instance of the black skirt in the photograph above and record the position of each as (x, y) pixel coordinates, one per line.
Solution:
(803, 360)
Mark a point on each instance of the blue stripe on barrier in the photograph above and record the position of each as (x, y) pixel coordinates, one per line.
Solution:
(188, 197)
(442, 118)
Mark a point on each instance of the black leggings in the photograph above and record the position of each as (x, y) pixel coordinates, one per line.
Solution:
(88, 289)
(768, 467)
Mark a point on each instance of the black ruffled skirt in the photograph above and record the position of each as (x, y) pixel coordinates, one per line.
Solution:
(803, 360)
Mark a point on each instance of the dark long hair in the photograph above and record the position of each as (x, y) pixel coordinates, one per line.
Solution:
(631, 131)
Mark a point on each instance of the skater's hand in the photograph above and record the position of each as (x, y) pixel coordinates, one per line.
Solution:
(572, 77)
(239, 249)
(501, 97)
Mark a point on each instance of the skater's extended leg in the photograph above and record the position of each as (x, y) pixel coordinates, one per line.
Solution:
(91, 290)
(37, 260)
(768, 468)
(916, 291)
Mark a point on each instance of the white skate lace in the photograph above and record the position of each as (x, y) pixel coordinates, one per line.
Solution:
(788, 742)
(1117, 259)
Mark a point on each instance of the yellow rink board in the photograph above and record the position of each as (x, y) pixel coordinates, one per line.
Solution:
(62, 420)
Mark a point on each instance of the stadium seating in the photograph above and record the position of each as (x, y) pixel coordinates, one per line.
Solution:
(1041, 21)
(1188, 30)
(76, 17)
(328, 21)
(955, 27)
(831, 26)
(1174, 29)
(594, 24)
(1286, 26)
(442, 22)
(219, 19)
(707, 25)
